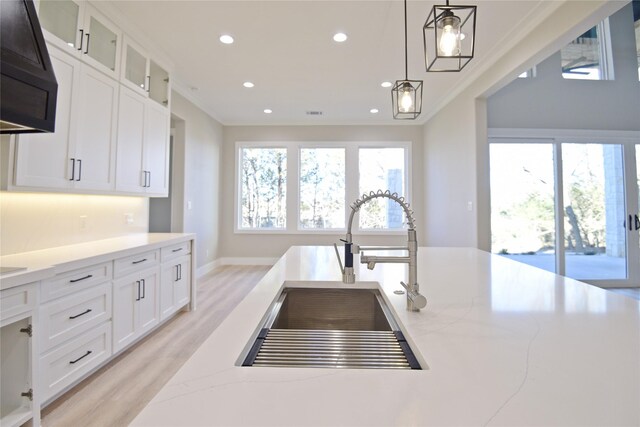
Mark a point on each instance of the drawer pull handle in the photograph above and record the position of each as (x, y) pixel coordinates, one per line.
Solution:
(82, 278)
(81, 357)
(138, 262)
(81, 314)
(177, 250)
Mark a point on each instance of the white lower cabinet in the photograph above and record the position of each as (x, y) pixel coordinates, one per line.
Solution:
(176, 285)
(18, 401)
(136, 306)
(68, 363)
(55, 332)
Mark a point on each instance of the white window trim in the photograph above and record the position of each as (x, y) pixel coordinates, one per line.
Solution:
(293, 184)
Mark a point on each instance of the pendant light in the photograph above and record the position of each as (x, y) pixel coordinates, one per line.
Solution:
(406, 95)
(449, 37)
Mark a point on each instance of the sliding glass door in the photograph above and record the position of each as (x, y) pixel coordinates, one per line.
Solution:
(568, 207)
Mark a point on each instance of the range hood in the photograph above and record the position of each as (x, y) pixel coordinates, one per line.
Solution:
(28, 87)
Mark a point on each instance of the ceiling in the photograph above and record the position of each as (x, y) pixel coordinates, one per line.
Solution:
(286, 49)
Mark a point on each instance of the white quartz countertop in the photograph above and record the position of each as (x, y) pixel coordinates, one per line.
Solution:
(506, 344)
(41, 264)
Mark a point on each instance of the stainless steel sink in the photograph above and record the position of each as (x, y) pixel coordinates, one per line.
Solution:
(333, 328)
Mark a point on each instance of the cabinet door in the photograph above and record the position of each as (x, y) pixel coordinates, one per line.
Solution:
(168, 276)
(135, 67)
(102, 40)
(159, 85)
(96, 139)
(149, 304)
(44, 159)
(157, 149)
(131, 118)
(61, 21)
(125, 299)
(182, 288)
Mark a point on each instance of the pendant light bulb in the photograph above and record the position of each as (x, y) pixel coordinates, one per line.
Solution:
(450, 38)
(406, 101)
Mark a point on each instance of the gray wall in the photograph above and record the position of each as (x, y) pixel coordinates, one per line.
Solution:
(203, 146)
(550, 102)
(274, 245)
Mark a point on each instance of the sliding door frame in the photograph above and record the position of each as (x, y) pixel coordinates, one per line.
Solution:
(628, 140)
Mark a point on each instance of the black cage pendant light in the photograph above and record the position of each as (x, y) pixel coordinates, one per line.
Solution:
(406, 95)
(449, 37)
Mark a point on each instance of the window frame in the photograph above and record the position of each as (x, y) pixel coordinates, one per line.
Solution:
(603, 32)
(292, 204)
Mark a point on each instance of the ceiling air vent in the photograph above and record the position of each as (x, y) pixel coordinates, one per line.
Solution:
(314, 113)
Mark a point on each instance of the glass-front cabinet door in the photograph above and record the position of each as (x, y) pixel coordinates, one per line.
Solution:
(135, 68)
(61, 21)
(80, 29)
(101, 45)
(144, 75)
(159, 88)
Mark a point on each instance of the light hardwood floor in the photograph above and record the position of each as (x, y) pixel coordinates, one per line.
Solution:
(115, 394)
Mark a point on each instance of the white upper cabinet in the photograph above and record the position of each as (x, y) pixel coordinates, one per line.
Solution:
(144, 75)
(142, 164)
(82, 30)
(80, 154)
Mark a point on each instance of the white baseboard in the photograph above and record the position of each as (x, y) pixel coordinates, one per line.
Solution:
(201, 271)
(234, 261)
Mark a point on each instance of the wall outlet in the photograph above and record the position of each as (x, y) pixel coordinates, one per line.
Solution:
(83, 222)
(207, 253)
(128, 218)
(189, 205)
(470, 206)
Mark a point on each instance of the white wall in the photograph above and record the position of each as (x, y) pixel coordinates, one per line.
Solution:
(274, 245)
(32, 221)
(455, 143)
(202, 153)
(550, 102)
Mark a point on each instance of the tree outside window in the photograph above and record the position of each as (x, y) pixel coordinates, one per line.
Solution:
(264, 182)
(322, 188)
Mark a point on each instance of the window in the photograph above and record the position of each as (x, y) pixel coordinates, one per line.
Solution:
(305, 187)
(587, 57)
(381, 168)
(529, 74)
(263, 180)
(322, 190)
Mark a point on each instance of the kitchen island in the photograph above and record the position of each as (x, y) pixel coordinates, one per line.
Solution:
(500, 342)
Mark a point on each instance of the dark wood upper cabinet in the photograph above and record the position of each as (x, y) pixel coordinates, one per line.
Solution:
(28, 86)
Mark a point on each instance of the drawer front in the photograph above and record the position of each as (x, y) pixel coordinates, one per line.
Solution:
(73, 281)
(174, 251)
(18, 300)
(131, 264)
(66, 364)
(70, 316)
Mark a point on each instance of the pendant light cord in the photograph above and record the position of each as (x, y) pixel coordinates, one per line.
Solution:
(406, 66)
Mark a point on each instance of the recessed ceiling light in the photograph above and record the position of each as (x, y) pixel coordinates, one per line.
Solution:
(226, 39)
(374, 111)
(267, 111)
(339, 37)
(248, 84)
(386, 84)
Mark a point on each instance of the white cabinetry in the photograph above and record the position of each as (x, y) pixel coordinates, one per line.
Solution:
(144, 75)
(106, 141)
(80, 154)
(175, 288)
(18, 401)
(136, 303)
(75, 332)
(142, 164)
(81, 30)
